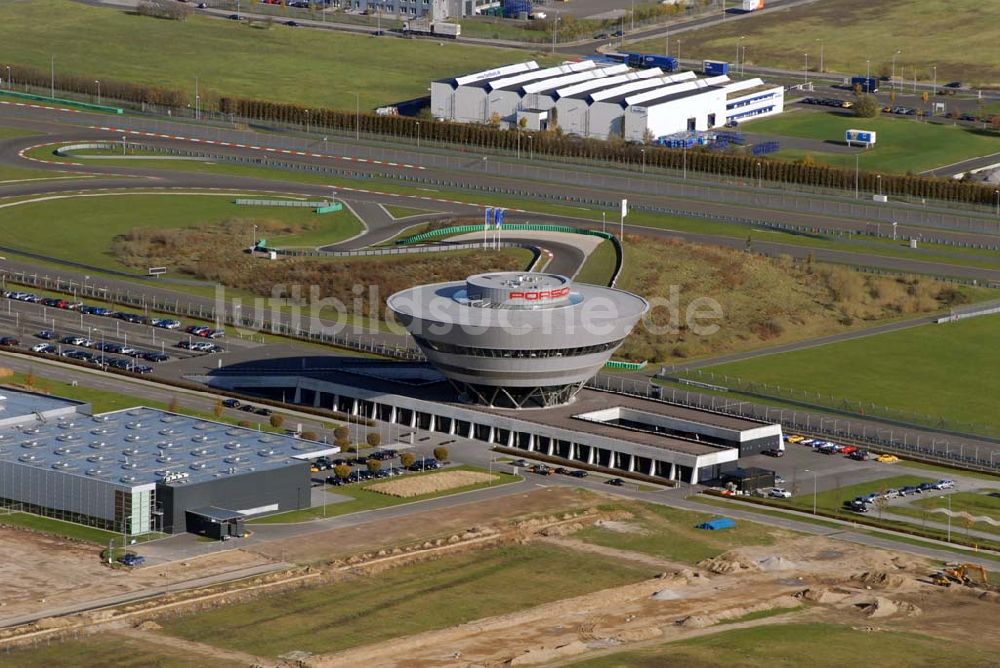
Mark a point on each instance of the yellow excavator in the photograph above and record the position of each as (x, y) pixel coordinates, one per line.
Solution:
(960, 575)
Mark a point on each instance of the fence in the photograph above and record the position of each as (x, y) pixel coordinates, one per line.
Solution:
(283, 202)
(520, 227)
(886, 438)
(817, 400)
(58, 100)
(985, 308)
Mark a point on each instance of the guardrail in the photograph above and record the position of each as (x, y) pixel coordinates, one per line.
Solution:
(63, 101)
(520, 227)
(626, 366)
(283, 202)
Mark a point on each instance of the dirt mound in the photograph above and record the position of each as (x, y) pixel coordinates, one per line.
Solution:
(547, 654)
(776, 563)
(878, 607)
(729, 562)
(149, 625)
(880, 579)
(822, 595)
(666, 595)
(562, 529)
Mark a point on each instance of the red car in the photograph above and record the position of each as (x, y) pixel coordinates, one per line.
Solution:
(848, 449)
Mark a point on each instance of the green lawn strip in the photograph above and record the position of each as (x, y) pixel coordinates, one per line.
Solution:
(779, 39)
(670, 533)
(948, 255)
(405, 600)
(59, 528)
(599, 266)
(939, 144)
(880, 370)
(109, 649)
(364, 499)
(403, 211)
(976, 504)
(101, 43)
(795, 644)
(946, 471)
(14, 133)
(719, 503)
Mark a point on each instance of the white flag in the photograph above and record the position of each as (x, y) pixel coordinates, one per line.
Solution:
(624, 208)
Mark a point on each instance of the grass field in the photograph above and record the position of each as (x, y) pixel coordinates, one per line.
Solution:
(599, 266)
(934, 370)
(309, 67)
(82, 228)
(850, 32)
(977, 504)
(111, 649)
(791, 645)
(669, 533)
(362, 499)
(939, 144)
(58, 527)
(403, 601)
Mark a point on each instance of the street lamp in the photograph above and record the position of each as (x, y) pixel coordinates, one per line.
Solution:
(98, 82)
(820, 55)
(758, 176)
(997, 194)
(643, 152)
(357, 117)
(307, 121)
(878, 180)
(739, 42)
(418, 134)
(935, 80)
(555, 33)
(868, 71)
(10, 84)
(898, 51)
(805, 69)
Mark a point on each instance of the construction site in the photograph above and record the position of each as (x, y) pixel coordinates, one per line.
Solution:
(558, 576)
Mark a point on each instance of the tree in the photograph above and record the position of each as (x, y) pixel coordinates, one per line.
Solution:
(218, 409)
(407, 459)
(867, 106)
(342, 471)
(341, 432)
(441, 453)
(309, 436)
(277, 421)
(174, 404)
(30, 380)
(373, 439)
(342, 443)
(373, 465)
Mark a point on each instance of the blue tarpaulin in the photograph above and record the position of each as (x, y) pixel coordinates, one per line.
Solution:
(716, 524)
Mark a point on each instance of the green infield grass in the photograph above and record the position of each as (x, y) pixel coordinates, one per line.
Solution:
(112, 649)
(855, 33)
(405, 600)
(931, 370)
(599, 266)
(940, 144)
(789, 645)
(308, 67)
(83, 228)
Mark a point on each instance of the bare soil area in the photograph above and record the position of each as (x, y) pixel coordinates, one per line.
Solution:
(40, 572)
(431, 483)
(811, 578)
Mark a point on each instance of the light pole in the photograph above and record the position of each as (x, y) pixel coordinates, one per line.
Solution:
(307, 122)
(820, 55)
(868, 71)
(531, 147)
(857, 169)
(759, 183)
(934, 88)
(98, 82)
(555, 33)
(643, 152)
(996, 193)
(878, 180)
(805, 69)
(898, 51)
(678, 52)
(685, 154)
(743, 61)
(52, 79)
(739, 43)
(10, 84)
(418, 134)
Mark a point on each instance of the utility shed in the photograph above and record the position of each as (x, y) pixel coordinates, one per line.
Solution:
(748, 479)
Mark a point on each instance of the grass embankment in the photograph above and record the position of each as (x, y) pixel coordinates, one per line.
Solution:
(818, 645)
(778, 39)
(761, 301)
(977, 504)
(363, 499)
(101, 43)
(599, 266)
(404, 601)
(939, 144)
(111, 649)
(932, 370)
(669, 533)
(84, 229)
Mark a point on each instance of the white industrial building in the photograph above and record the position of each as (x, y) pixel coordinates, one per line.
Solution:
(602, 101)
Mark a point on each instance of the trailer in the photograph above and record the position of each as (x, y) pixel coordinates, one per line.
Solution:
(432, 29)
(715, 68)
(752, 5)
(649, 61)
(865, 84)
(864, 137)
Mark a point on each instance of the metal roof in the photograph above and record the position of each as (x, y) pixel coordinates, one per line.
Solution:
(608, 82)
(18, 406)
(621, 92)
(142, 446)
(217, 514)
(485, 75)
(575, 77)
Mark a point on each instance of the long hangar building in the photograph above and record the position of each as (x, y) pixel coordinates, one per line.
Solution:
(602, 100)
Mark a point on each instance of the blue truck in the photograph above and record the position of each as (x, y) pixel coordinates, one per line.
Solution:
(715, 68)
(865, 84)
(649, 61)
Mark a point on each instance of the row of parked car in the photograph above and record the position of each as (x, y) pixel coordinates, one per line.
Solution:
(828, 102)
(135, 318)
(862, 504)
(831, 448)
(902, 111)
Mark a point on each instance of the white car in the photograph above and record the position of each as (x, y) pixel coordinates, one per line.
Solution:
(779, 493)
(40, 347)
(944, 484)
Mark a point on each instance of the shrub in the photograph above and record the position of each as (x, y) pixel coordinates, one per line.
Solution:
(440, 453)
(373, 439)
(407, 459)
(309, 436)
(277, 421)
(373, 465)
(244, 423)
(341, 432)
(342, 471)
(218, 409)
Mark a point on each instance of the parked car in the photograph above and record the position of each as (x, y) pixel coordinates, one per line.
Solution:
(925, 487)
(858, 505)
(908, 490)
(132, 560)
(944, 484)
(248, 408)
(887, 459)
(848, 449)
(521, 463)
(779, 493)
(9, 341)
(795, 438)
(579, 474)
(860, 455)
(263, 411)
(155, 357)
(46, 334)
(615, 482)
(165, 323)
(231, 403)
(773, 452)
(43, 348)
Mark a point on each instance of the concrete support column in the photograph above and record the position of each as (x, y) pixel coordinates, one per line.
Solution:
(673, 471)
(413, 419)
(451, 427)
(511, 438)
(694, 475)
(433, 422)
(355, 405)
(316, 395)
(392, 414)
(297, 396)
(531, 441)
(552, 447)
(652, 467)
(489, 434)
(631, 462)
(591, 454)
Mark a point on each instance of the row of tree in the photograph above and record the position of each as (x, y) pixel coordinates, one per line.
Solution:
(110, 89)
(736, 163)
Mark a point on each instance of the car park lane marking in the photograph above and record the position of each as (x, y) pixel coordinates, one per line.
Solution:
(269, 149)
